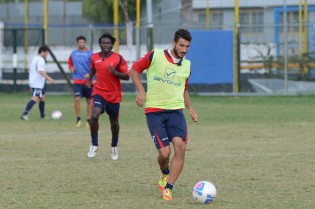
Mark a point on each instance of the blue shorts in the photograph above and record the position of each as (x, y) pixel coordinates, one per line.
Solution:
(112, 109)
(166, 125)
(81, 90)
(38, 92)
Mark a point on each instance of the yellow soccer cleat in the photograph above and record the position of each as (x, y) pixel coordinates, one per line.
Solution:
(167, 194)
(163, 182)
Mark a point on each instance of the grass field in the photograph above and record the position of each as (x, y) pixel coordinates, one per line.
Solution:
(258, 151)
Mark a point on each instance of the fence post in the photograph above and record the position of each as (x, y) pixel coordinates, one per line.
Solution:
(43, 36)
(149, 26)
(236, 48)
(14, 61)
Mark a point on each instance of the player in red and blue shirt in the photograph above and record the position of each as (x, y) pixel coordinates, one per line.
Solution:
(79, 66)
(109, 68)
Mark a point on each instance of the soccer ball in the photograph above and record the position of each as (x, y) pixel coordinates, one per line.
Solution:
(56, 115)
(204, 192)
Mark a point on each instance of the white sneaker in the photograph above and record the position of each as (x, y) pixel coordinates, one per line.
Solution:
(24, 117)
(92, 151)
(114, 153)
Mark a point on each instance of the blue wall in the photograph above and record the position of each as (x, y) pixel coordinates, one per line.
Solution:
(211, 56)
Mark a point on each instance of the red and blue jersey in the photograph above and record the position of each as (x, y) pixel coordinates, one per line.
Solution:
(80, 61)
(107, 85)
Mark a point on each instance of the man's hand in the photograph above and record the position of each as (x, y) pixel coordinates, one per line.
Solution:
(72, 70)
(111, 68)
(88, 84)
(193, 115)
(140, 99)
(50, 80)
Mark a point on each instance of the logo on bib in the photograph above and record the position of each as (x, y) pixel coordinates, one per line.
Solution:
(169, 73)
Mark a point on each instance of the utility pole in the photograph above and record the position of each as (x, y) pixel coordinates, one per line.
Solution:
(138, 45)
(116, 33)
(45, 21)
(285, 46)
(236, 47)
(149, 26)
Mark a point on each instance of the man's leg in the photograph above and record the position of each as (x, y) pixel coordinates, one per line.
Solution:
(164, 157)
(28, 107)
(96, 112)
(163, 161)
(88, 112)
(41, 106)
(115, 134)
(176, 168)
(178, 159)
(77, 108)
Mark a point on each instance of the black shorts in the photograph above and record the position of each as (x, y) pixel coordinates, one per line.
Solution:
(81, 90)
(112, 109)
(38, 92)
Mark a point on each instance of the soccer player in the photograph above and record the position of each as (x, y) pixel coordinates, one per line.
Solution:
(109, 67)
(37, 79)
(79, 66)
(166, 97)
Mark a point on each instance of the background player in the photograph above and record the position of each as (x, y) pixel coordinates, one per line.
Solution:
(37, 79)
(79, 64)
(109, 67)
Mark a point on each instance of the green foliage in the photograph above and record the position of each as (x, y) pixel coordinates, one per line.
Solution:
(304, 60)
(101, 11)
(268, 59)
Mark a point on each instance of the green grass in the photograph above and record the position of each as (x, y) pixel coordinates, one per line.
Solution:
(258, 151)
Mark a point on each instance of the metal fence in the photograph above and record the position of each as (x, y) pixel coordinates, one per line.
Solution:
(261, 50)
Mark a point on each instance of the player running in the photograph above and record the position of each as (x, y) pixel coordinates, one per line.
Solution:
(109, 67)
(79, 65)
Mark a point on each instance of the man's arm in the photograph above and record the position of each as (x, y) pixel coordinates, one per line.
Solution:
(120, 75)
(189, 106)
(141, 96)
(70, 65)
(45, 75)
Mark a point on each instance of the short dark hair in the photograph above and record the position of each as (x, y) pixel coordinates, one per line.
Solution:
(107, 35)
(42, 49)
(182, 33)
(81, 38)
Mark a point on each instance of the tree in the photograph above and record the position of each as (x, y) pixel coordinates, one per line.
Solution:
(101, 11)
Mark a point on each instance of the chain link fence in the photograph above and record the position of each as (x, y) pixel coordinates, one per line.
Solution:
(272, 60)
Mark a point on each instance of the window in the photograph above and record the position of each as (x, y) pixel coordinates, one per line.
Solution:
(216, 19)
(292, 21)
(251, 21)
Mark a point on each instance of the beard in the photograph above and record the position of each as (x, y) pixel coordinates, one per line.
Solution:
(178, 54)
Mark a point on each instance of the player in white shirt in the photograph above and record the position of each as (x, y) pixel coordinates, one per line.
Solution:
(37, 79)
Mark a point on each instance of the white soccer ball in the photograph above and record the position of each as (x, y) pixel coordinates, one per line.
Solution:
(56, 115)
(204, 192)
